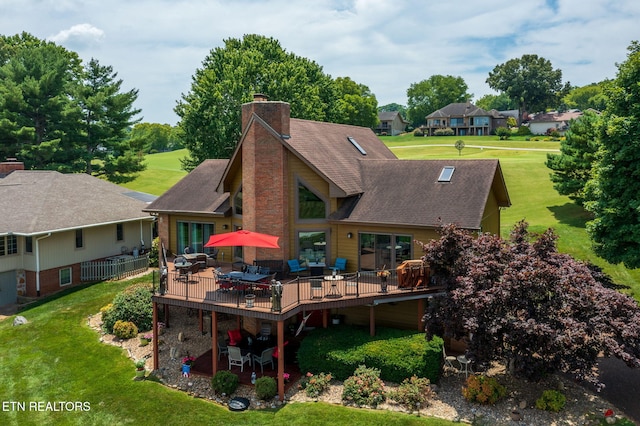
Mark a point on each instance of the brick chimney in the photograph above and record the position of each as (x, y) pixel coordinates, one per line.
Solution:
(10, 165)
(265, 184)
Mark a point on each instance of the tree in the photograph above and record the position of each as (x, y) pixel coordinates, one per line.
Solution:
(355, 104)
(432, 94)
(613, 192)
(157, 137)
(57, 115)
(36, 82)
(230, 75)
(394, 107)
(572, 168)
(530, 82)
(586, 97)
(523, 302)
(106, 116)
(499, 102)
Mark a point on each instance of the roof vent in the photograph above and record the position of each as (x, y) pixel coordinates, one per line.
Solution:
(446, 174)
(357, 145)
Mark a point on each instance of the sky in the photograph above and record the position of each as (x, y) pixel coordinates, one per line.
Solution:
(156, 46)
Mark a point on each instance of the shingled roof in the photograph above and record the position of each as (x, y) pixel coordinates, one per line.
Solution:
(408, 193)
(459, 109)
(48, 201)
(196, 192)
(326, 148)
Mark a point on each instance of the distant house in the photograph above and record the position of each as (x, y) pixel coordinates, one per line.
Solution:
(51, 222)
(542, 124)
(464, 119)
(390, 123)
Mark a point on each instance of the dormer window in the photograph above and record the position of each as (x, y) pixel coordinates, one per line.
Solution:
(446, 174)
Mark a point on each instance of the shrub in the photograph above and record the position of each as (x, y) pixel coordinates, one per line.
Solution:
(444, 132)
(315, 384)
(483, 389)
(418, 133)
(225, 382)
(523, 131)
(154, 253)
(266, 388)
(503, 133)
(413, 392)
(364, 388)
(125, 329)
(397, 353)
(551, 400)
(133, 304)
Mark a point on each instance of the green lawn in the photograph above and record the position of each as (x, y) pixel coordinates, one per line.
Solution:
(532, 195)
(58, 358)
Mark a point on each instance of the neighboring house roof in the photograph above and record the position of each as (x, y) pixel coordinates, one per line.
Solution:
(459, 109)
(390, 116)
(407, 192)
(196, 192)
(555, 117)
(48, 201)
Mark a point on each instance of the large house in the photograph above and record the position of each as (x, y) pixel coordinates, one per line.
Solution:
(465, 119)
(50, 223)
(327, 191)
(390, 123)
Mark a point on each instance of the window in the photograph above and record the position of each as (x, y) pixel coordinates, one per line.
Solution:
(312, 246)
(28, 244)
(8, 245)
(446, 174)
(310, 206)
(194, 235)
(64, 276)
(79, 239)
(237, 202)
(119, 232)
(377, 252)
(456, 122)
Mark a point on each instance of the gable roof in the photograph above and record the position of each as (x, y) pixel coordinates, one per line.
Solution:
(196, 192)
(390, 116)
(326, 148)
(407, 192)
(554, 117)
(459, 109)
(49, 201)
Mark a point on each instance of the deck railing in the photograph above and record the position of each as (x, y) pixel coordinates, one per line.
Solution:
(275, 297)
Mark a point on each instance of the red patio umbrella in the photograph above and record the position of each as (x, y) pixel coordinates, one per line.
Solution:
(243, 238)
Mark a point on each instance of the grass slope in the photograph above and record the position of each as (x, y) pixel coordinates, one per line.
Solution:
(57, 358)
(532, 195)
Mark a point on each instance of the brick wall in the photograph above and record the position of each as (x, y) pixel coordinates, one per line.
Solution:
(264, 171)
(50, 280)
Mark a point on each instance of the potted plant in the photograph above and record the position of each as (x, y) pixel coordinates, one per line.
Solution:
(383, 274)
(187, 362)
(140, 368)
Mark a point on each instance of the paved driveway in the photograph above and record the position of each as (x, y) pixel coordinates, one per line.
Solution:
(622, 386)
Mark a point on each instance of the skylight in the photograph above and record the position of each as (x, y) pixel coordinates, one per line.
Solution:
(357, 145)
(446, 173)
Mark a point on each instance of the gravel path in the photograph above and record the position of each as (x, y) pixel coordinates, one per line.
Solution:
(584, 407)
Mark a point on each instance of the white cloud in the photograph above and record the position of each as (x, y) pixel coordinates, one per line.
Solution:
(157, 45)
(79, 35)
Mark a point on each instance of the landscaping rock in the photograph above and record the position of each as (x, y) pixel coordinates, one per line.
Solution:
(19, 320)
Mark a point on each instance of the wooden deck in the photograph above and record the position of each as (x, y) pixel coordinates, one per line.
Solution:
(201, 290)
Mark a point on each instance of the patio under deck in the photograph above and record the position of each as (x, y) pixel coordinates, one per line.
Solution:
(201, 290)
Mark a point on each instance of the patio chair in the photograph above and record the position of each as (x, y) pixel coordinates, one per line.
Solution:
(265, 357)
(223, 349)
(351, 285)
(236, 358)
(449, 359)
(340, 265)
(316, 288)
(212, 258)
(295, 267)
